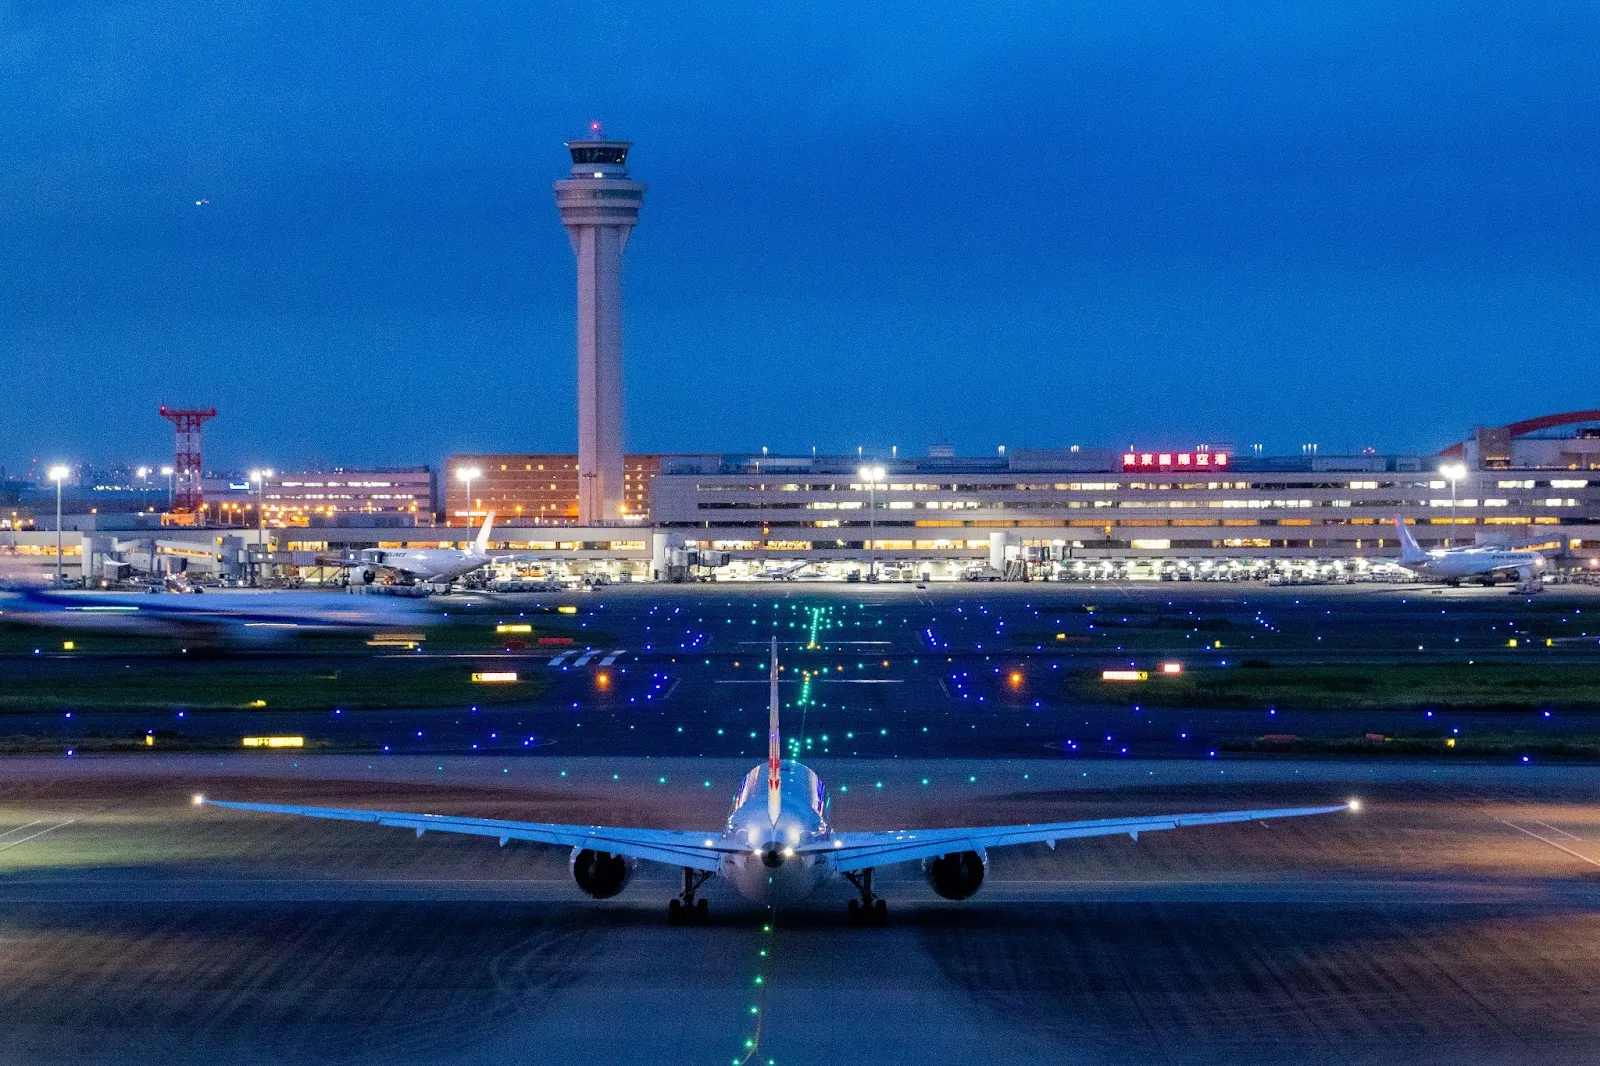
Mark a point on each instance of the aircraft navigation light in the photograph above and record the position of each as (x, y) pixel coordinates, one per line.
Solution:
(198, 799)
(1354, 805)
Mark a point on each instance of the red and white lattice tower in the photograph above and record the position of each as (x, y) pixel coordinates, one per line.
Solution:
(187, 496)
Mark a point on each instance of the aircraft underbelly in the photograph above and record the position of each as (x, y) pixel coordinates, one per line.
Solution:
(795, 879)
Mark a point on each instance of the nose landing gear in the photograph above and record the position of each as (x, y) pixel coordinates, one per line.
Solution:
(870, 909)
(686, 909)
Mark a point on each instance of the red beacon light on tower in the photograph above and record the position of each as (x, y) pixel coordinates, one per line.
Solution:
(1166, 461)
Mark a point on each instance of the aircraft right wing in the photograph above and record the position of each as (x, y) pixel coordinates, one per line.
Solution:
(849, 852)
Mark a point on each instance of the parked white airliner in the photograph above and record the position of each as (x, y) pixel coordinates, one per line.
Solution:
(428, 566)
(1453, 565)
(778, 844)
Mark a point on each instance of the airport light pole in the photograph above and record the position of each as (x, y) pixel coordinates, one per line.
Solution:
(58, 474)
(167, 472)
(872, 475)
(1453, 472)
(260, 478)
(466, 474)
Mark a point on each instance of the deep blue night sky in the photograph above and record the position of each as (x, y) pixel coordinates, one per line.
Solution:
(1031, 224)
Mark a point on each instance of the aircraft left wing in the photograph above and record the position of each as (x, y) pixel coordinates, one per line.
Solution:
(849, 852)
(675, 847)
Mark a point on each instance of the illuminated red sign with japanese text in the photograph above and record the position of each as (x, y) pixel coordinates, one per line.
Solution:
(1174, 460)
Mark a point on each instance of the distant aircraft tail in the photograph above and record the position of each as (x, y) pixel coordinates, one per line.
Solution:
(774, 746)
(1410, 550)
(481, 545)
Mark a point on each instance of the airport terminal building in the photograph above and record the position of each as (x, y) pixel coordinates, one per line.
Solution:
(1530, 483)
(1077, 512)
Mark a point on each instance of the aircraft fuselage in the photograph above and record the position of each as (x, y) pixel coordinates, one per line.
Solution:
(768, 868)
(1454, 565)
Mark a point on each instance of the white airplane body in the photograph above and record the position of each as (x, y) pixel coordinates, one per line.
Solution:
(1453, 565)
(783, 573)
(254, 614)
(435, 566)
(778, 845)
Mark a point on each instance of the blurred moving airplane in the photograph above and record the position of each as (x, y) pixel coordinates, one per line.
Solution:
(778, 845)
(255, 614)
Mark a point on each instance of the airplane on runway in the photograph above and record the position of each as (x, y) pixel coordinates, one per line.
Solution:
(427, 566)
(1453, 565)
(255, 615)
(778, 845)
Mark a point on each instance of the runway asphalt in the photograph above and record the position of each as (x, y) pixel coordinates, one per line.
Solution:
(1454, 919)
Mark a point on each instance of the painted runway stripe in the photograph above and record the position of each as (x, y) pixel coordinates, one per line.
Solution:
(583, 660)
(1563, 832)
(803, 643)
(819, 681)
(609, 659)
(1554, 844)
(559, 659)
(31, 836)
(21, 828)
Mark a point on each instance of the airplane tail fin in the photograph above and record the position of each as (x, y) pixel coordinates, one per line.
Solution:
(774, 746)
(1410, 550)
(481, 544)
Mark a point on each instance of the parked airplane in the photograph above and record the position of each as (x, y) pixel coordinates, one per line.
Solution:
(1453, 565)
(786, 572)
(778, 845)
(436, 566)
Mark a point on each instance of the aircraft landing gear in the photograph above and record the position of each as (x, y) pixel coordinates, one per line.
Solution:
(686, 909)
(870, 909)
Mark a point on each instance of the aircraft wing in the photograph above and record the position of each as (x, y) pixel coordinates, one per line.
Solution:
(675, 847)
(858, 851)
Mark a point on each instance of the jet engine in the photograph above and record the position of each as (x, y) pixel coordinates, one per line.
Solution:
(600, 873)
(957, 875)
(362, 575)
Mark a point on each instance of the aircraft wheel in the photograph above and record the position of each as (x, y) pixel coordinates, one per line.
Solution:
(880, 912)
(674, 913)
(702, 911)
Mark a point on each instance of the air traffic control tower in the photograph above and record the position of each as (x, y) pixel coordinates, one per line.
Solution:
(599, 206)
